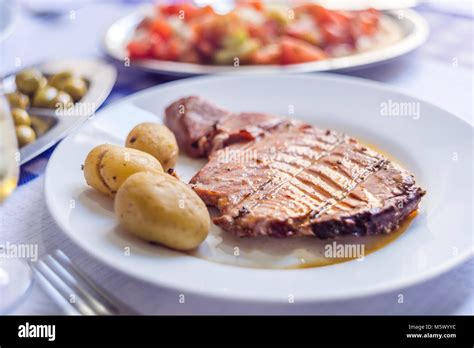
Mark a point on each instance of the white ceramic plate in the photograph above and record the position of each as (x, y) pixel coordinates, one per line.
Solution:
(403, 31)
(433, 144)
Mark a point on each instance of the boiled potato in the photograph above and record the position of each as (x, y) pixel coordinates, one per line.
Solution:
(159, 208)
(157, 140)
(107, 166)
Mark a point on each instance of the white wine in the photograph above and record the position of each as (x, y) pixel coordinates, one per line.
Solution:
(8, 152)
(15, 273)
(7, 185)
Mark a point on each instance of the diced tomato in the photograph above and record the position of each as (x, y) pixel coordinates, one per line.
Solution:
(365, 22)
(208, 33)
(304, 31)
(270, 54)
(336, 29)
(256, 4)
(319, 13)
(295, 51)
(335, 26)
(266, 32)
(167, 50)
(158, 49)
(139, 49)
(204, 11)
(162, 28)
(185, 10)
(175, 49)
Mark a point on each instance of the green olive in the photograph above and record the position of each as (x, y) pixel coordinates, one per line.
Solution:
(18, 100)
(76, 87)
(25, 135)
(60, 79)
(21, 117)
(63, 99)
(45, 97)
(29, 81)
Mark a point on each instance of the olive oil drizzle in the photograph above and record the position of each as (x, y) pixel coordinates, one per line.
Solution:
(384, 241)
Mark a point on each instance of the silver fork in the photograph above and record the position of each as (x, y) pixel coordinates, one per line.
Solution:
(72, 289)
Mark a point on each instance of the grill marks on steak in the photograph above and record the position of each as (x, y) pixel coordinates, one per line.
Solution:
(284, 178)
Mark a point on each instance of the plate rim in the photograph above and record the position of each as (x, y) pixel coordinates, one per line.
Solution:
(412, 41)
(252, 297)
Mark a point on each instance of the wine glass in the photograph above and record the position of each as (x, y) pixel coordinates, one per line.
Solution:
(15, 273)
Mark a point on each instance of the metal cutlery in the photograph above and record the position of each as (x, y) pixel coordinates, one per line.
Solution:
(73, 289)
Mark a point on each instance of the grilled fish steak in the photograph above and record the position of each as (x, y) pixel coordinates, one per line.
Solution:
(271, 176)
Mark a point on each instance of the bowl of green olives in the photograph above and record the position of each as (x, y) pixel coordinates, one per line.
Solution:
(35, 89)
(38, 90)
(49, 100)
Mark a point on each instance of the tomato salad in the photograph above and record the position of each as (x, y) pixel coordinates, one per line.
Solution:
(252, 33)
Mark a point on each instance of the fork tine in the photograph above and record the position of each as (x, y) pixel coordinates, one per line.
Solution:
(57, 272)
(49, 276)
(71, 279)
(100, 294)
(53, 292)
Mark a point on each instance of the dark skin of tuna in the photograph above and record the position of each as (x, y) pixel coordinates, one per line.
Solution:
(367, 223)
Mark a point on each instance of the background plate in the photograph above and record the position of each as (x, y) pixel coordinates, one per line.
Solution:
(411, 26)
(435, 145)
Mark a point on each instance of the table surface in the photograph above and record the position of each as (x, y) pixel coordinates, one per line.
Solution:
(440, 72)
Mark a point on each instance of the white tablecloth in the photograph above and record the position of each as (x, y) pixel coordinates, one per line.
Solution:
(429, 74)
